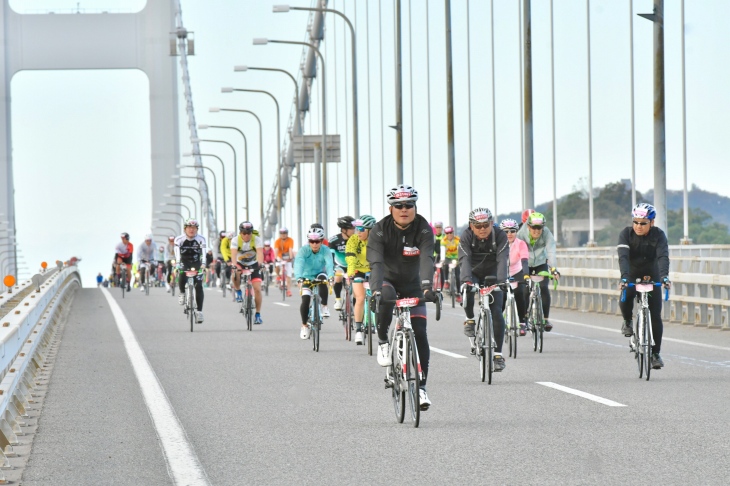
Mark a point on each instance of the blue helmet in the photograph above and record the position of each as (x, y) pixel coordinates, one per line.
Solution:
(643, 210)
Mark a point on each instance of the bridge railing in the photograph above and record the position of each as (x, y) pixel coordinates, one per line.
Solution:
(700, 276)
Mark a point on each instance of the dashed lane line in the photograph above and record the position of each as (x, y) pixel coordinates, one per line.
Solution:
(582, 394)
(446, 353)
(280, 303)
(182, 462)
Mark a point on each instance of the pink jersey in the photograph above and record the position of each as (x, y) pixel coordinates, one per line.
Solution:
(269, 255)
(517, 251)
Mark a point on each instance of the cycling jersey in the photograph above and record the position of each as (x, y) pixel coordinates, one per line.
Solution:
(482, 258)
(452, 247)
(437, 246)
(518, 257)
(338, 245)
(147, 252)
(356, 252)
(640, 256)
(284, 248)
(308, 264)
(269, 255)
(542, 250)
(124, 251)
(190, 252)
(169, 251)
(403, 257)
(245, 251)
(225, 249)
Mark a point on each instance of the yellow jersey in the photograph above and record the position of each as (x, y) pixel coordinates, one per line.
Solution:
(225, 249)
(355, 252)
(452, 247)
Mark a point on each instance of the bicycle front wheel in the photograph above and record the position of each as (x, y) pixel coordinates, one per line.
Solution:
(190, 306)
(347, 321)
(316, 321)
(249, 307)
(646, 338)
(489, 344)
(398, 393)
(413, 378)
(480, 349)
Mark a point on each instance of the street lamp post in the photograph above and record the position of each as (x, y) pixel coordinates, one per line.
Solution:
(215, 189)
(245, 163)
(178, 205)
(195, 205)
(355, 131)
(207, 190)
(261, 152)
(320, 174)
(235, 170)
(223, 170)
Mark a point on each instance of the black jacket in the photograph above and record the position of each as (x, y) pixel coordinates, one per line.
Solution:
(640, 256)
(402, 257)
(482, 258)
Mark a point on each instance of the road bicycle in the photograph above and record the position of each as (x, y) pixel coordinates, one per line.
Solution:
(224, 277)
(437, 280)
(314, 320)
(282, 275)
(265, 278)
(122, 276)
(160, 274)
(511, 319)
(147, 271)
(404, 375)
(174, 278)
(642, 340)
(191, 307)
(535, 317)
(247, 302)
(346, 316)
(369, 319)
(482, 344)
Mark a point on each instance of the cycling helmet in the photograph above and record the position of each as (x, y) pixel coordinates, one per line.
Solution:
(246, 226)
(438, 224)
(345, 222)
(402, 194)
(480, 215)
(366, 221)
(148, 236)
(170, 238)
(222, 235)
(315, 234)
(509, 224)
(643, 210)
(230, 235)
(125, 236)
(526, 213)
(267, 242)
(283, 230)
(536, 219)
(191, 222)
(448, 230)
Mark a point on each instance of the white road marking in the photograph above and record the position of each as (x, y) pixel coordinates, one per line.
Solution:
(572, 391)
(447, 353)
(664, 338)
(281, 303)
(182, 462)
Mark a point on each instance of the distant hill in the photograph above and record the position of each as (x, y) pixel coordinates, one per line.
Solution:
(714, 204)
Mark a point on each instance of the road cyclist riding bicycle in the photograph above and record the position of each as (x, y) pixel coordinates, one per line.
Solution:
(146, 260)
(400, 252)
(284, 247)
(337, 244)
(190, 248)
(313, 262)
(438, 232)
(123, 254)
(450, 242)
(543, 257)
(169, 258)
(519, 271)
(248, 252)
(268, 268)
(643, 251)
(483, 253)
(358, 269)
(223, 262)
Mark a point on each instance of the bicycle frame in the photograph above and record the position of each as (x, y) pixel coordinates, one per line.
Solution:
(190, 307)
(247, 303)
(642, 341)
(405, 376)
(314, 321)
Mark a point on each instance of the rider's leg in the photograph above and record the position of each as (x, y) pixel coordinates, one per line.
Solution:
(358, 289)
(657, 326)
(385, 314)
(418, 322)
(199, 291)
(497, 319)
(257, 294)
(626, 304)
(545, 295)
(323, 293)
(304, 307)
(338, 286)
(181, 282)
(236, 280)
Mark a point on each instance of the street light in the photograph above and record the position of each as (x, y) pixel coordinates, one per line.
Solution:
(299, 120)
(235, 169)
(215, 188)
(195, 205)
(179, 205)
(261, 152)
(278, 143)
(321, 178)
(173, 221)
(223, 170)
(207, 190)
(355, 131)
(173, 213)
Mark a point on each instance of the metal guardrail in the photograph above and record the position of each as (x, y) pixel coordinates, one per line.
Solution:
(26, 336)
(700, 275)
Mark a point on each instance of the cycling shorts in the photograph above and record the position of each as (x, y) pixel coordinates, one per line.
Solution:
(255, 271)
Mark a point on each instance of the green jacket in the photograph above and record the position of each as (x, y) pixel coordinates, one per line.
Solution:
(542, 250)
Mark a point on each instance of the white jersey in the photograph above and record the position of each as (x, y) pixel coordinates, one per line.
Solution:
(190, 251)
(246, 254)
(147, 252)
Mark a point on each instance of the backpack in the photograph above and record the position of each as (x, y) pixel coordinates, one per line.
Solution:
(253, 240)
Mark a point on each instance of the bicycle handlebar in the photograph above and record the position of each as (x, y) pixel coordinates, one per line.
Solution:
(655, 284)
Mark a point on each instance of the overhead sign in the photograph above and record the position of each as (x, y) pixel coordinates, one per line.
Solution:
(304, 148)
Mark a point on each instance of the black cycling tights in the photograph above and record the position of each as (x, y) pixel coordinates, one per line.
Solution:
(495, 308)
(307, 299)
(418, 323)
(198, 288)
(655, 310)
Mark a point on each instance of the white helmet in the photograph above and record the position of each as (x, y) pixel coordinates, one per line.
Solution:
(315, 234)
(147, 237)
(402, 194)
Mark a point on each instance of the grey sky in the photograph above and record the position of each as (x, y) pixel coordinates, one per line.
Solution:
(81, 139)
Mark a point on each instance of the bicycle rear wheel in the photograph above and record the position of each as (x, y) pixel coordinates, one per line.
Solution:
(413, 379)
(347, 321)
(452, 287)
(398, 393)
(369, 324)
(249, 307)
(316, 321)
(124, 280)
(190, 304)
(283, 283)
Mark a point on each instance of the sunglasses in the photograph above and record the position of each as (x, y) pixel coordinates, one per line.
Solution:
(247, 232)
(360, 229)
(510, 231)
(640, 223)
(315, 242)
(537, 227)
(404, 206)
(480, 226)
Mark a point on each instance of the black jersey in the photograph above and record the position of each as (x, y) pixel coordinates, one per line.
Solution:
(640, 256)
(190, 251)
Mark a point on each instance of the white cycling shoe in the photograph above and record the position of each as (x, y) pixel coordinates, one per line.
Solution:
(199, 316)
(338, 304)
(181, 299)
(423, 398)
(359, 338)
(384, 355)
(325, 311)
(304, 333)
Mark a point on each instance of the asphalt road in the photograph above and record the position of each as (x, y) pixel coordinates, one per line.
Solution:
(261, 408)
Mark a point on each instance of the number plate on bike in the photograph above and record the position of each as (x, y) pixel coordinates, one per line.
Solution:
(366, 285)
(487, 290)
(409, 302)
(191, 273)
(644, 287)
(246, 272)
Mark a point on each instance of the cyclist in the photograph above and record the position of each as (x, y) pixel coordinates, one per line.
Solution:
(146, 253)
(451, 243)
(438, 231)
(541, 245)
(358, 269)
(169, 257)
(269, 256)
(325, 242)
(123, 255)
(337, 244)
(525, 214)
(483, 252)
(643, 251)
(190, 248)
(313, 262)
(249, 254)
(400, 252)
(284, 247)
(518, 269)
(224, 255)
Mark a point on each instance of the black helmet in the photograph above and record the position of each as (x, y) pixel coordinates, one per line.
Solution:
(345, 222)
(125, 236)
(317, 225)
(245, 227)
